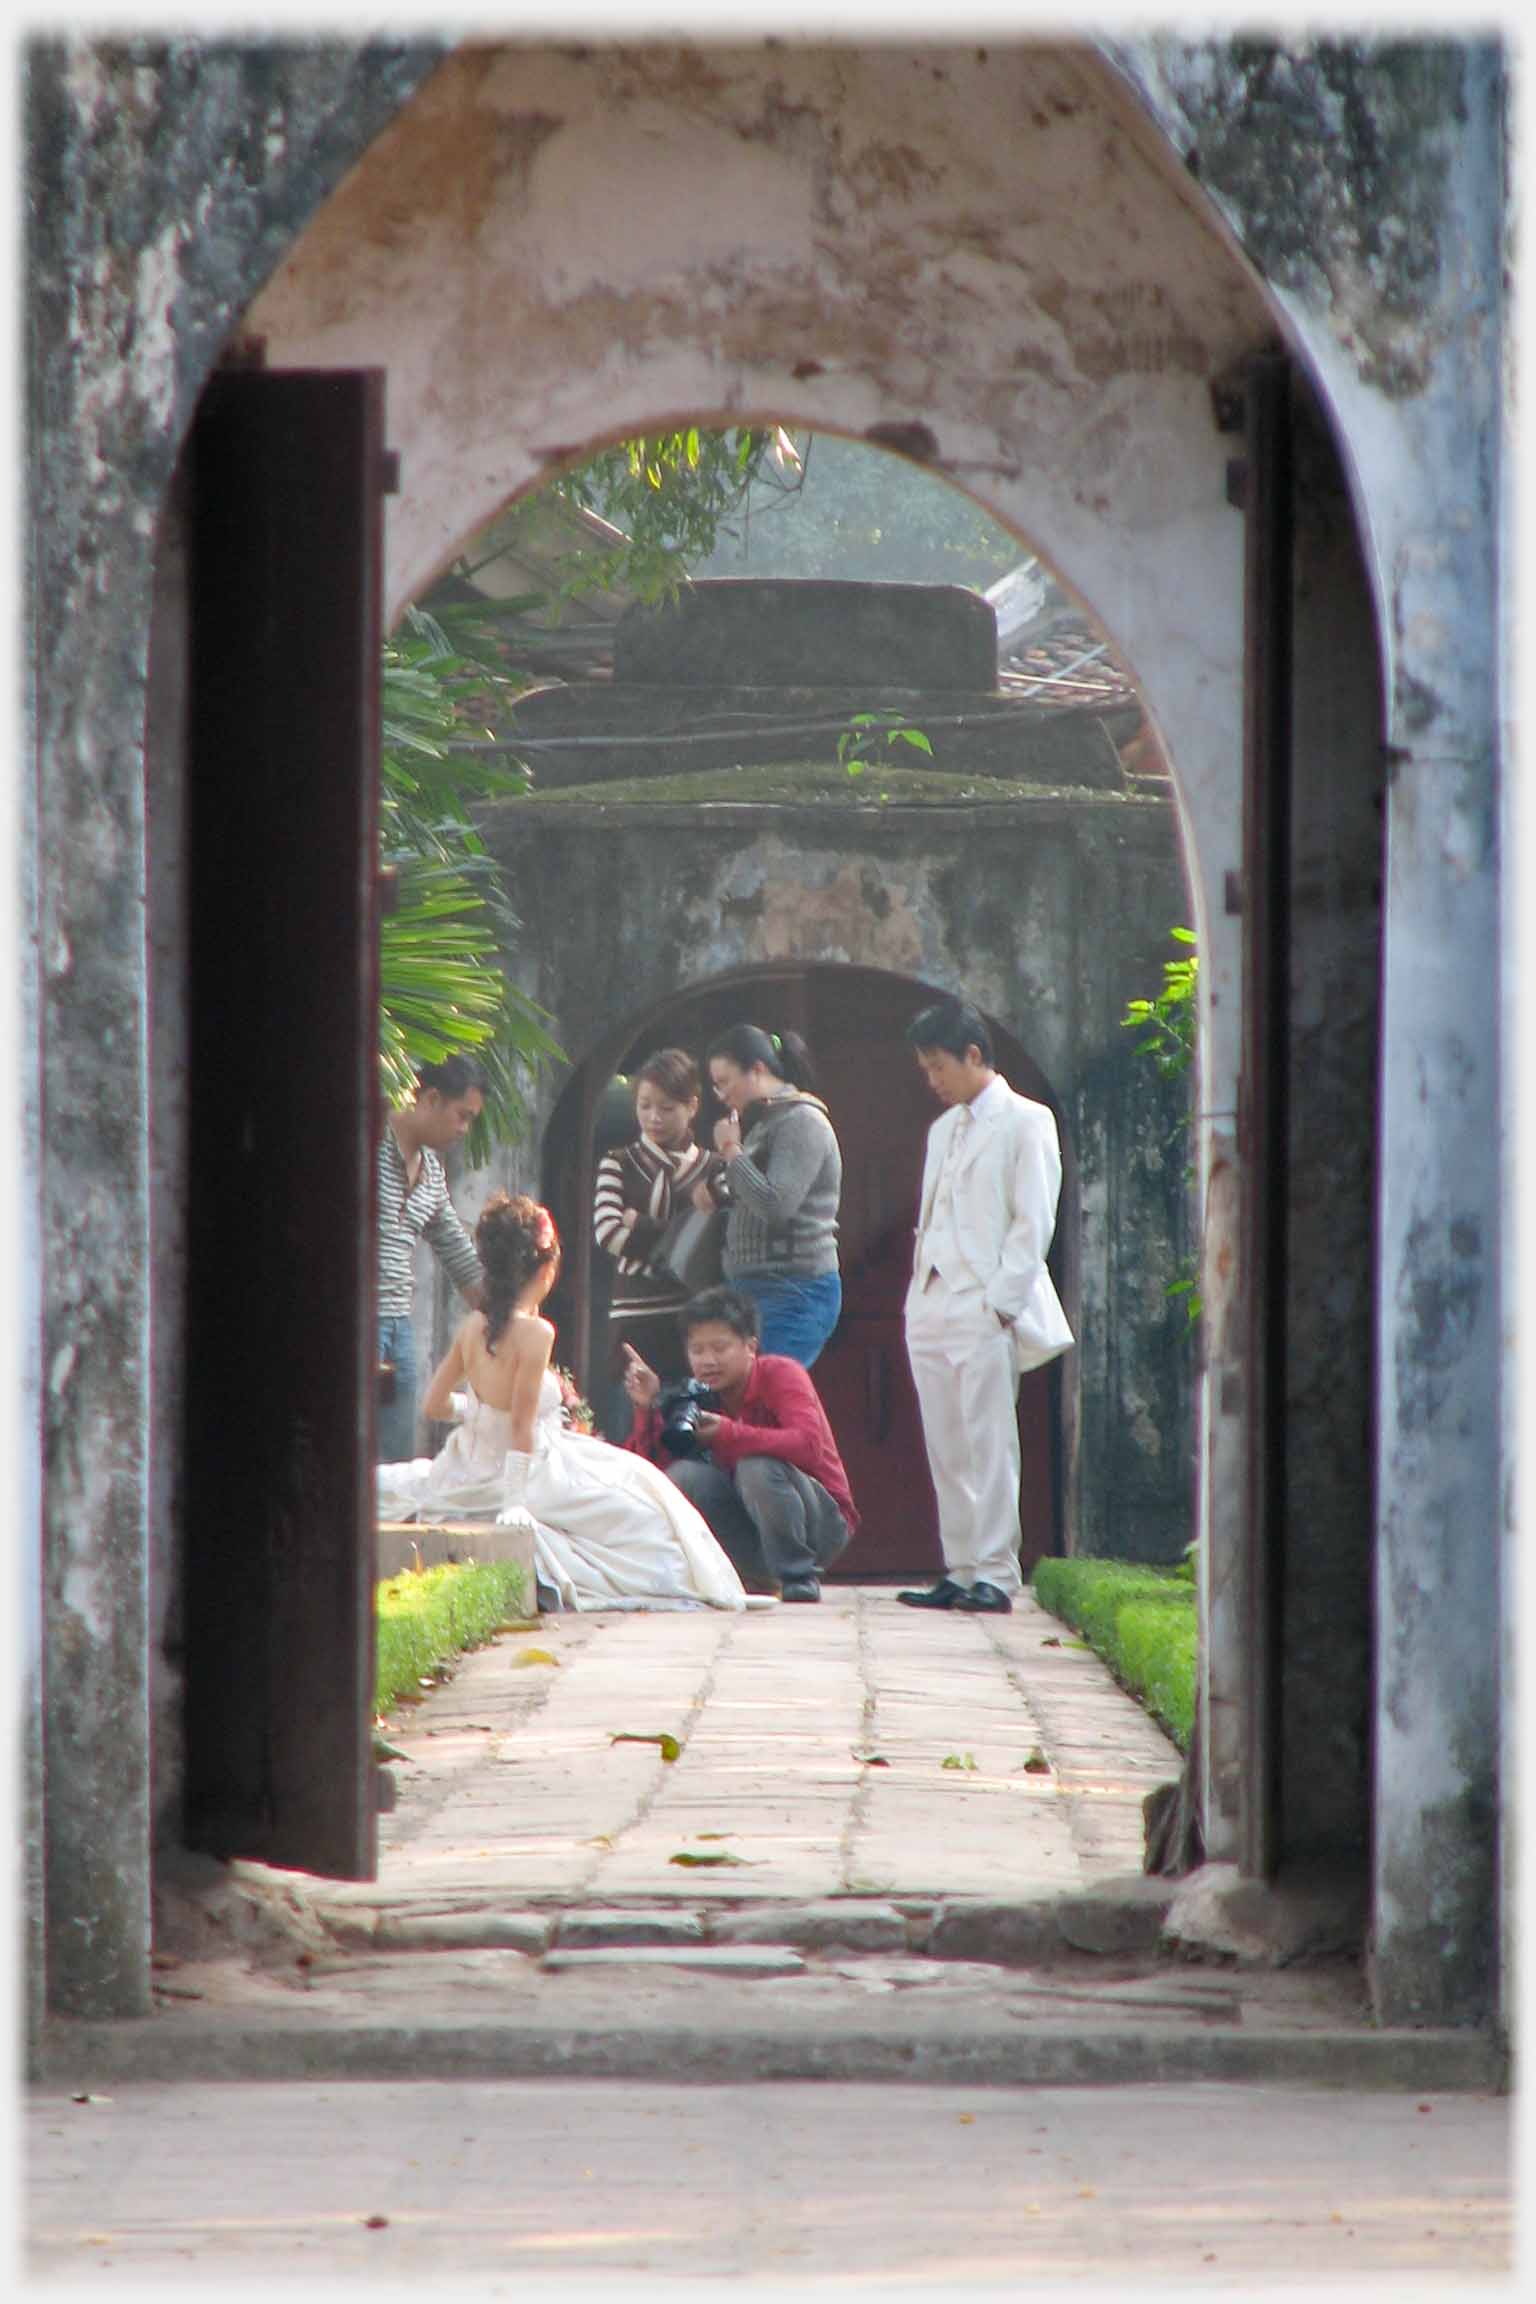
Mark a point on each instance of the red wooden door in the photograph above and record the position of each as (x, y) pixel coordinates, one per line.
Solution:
(882, 1110)
(854, 1021)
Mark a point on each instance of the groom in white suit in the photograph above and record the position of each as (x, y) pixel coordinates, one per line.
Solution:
(981, 1307)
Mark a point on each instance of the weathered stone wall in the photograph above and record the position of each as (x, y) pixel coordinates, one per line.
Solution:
(1050, 915)
(1368, 182)
(164, 179)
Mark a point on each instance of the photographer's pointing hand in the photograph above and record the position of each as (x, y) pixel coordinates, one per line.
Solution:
(640, 1382)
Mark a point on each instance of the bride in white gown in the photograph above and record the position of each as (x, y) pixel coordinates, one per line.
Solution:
(609, 1529)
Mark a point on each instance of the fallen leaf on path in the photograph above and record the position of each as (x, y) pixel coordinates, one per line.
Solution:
(869, 1759)
(1053, 1642)
(716, 1856)
(670, 1746)
(534, 1656)
(955, 1760)
(1037, 1764)
(714, 1835)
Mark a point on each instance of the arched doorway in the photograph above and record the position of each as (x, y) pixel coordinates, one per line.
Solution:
(853, 1020)
(1169, 626)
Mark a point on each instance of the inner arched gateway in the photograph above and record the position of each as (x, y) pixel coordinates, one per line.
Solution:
(852, 1019)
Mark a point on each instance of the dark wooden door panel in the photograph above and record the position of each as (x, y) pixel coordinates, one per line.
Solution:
(282, 859)
(1263, 1096)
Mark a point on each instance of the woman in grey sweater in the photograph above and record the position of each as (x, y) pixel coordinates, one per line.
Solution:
(782, 1180)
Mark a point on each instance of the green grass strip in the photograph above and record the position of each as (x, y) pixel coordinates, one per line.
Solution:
(1143, 1622)
(423, 1619)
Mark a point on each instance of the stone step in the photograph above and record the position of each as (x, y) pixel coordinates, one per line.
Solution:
(716, 1959)
(1122, 1918)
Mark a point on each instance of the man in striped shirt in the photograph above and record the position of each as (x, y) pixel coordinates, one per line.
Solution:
(414, 1205)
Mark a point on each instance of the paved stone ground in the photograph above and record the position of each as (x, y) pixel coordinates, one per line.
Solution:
(857, 1748)
(912, 1850)
(562, 2187)
(536, 2049)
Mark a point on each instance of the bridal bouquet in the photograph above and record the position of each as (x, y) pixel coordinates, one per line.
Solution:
(578, 1412)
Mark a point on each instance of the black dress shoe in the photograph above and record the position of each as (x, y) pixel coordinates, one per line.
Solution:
(985, 1600)
(945, 1594)
(800, 1588)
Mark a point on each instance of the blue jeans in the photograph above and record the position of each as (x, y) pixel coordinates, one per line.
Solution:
(795, 1316)
(395, 1426)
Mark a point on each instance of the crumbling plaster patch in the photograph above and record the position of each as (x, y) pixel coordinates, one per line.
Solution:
(1349, 174)
(823, 908)
(1330, 160)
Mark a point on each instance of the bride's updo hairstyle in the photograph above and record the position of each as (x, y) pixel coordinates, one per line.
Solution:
(513, 1239)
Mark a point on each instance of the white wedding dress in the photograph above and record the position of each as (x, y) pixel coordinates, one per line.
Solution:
(609, 1529)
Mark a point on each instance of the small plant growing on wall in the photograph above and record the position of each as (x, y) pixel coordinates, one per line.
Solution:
(871, 736)
(1169, 1020)
(1168, 1027)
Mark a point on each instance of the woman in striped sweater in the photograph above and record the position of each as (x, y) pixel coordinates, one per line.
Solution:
(641, 1186)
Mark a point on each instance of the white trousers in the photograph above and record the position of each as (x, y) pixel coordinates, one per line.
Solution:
(967, 1390)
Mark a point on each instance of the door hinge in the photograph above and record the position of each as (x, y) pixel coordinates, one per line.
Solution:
(243, 353)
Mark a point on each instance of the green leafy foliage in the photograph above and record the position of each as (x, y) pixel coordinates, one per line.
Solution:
(447, 679)
(1144, 1624)
(870, 735)
(442, 986)
(670, 493)
(1169, 1024)
(425, 1617)
(1169, 1020)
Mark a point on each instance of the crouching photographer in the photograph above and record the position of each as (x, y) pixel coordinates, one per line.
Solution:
(748, 1442)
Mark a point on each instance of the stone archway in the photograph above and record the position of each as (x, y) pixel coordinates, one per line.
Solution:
(1098, 415)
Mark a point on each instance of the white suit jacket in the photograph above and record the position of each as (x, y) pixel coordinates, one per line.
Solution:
(1005, 1193)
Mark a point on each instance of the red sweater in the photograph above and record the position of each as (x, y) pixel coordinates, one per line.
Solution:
(781, 1415)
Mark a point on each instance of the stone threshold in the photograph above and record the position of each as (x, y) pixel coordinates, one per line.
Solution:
(1116, 1919)
(929, 2045)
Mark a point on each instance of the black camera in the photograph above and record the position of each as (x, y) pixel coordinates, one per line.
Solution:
(681, 1408)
